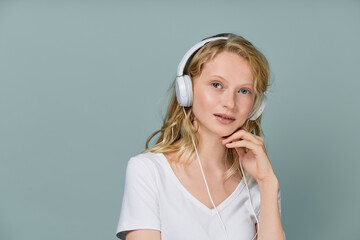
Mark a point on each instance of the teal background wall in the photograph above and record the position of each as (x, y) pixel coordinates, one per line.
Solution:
(83, 84)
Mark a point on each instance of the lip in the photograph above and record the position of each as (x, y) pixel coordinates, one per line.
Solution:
(225, 115)
(223, 120)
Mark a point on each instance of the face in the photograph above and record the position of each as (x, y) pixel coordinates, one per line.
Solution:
(225, 86)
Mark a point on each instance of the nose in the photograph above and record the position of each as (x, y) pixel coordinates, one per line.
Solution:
(228, 100)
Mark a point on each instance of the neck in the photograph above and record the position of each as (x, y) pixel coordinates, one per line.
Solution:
(211, 151)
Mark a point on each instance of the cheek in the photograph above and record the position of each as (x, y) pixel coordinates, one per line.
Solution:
(203, 103)
(204, 100)
(248, 105)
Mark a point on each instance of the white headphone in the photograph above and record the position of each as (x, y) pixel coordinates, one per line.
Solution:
(183, 84)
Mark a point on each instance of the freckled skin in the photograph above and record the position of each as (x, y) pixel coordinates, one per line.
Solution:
(229, 95)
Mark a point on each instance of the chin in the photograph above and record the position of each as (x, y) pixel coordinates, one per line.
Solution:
(226, 133)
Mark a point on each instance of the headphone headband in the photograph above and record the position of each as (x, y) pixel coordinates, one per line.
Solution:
(187, 55)
(183, 84)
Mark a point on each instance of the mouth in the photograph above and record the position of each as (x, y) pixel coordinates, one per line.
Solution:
(223, 119)
(224, 116)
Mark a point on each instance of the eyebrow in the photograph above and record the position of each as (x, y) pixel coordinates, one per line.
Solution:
(245, 84)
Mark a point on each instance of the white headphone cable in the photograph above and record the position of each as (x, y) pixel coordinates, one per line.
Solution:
(222, 223)
(244, 180)
(257, 221)
(252, 207)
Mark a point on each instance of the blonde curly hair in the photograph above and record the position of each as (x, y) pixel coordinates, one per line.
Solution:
(177, 131)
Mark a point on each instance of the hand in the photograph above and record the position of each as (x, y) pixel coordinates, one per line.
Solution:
(252, 153)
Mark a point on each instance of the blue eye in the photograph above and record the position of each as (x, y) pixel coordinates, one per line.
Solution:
(246, 90)
(215, 83)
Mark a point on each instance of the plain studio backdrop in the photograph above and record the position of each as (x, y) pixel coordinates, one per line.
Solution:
(83, 84)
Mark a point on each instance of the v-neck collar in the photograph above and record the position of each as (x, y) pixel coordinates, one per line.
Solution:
(205, 208)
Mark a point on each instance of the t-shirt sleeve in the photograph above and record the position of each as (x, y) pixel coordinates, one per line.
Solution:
(140, 205)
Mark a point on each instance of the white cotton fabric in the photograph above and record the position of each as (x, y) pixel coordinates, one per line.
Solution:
(154, 198)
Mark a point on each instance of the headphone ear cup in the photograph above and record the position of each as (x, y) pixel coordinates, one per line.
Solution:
(261, 109)
(184, 94)
(189, 92)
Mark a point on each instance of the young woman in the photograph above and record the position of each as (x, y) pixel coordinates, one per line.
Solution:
(208, 176)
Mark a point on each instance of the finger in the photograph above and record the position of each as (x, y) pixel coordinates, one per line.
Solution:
(244, 143)
(259, 138)
(242, 134)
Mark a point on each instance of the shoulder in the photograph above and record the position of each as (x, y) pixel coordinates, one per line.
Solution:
(148, 158)
(142, 173)
(144, 162)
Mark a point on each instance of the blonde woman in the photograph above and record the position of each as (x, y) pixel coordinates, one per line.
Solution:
(208, 176)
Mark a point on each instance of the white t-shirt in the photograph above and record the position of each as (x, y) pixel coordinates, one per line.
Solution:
(154, 198)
